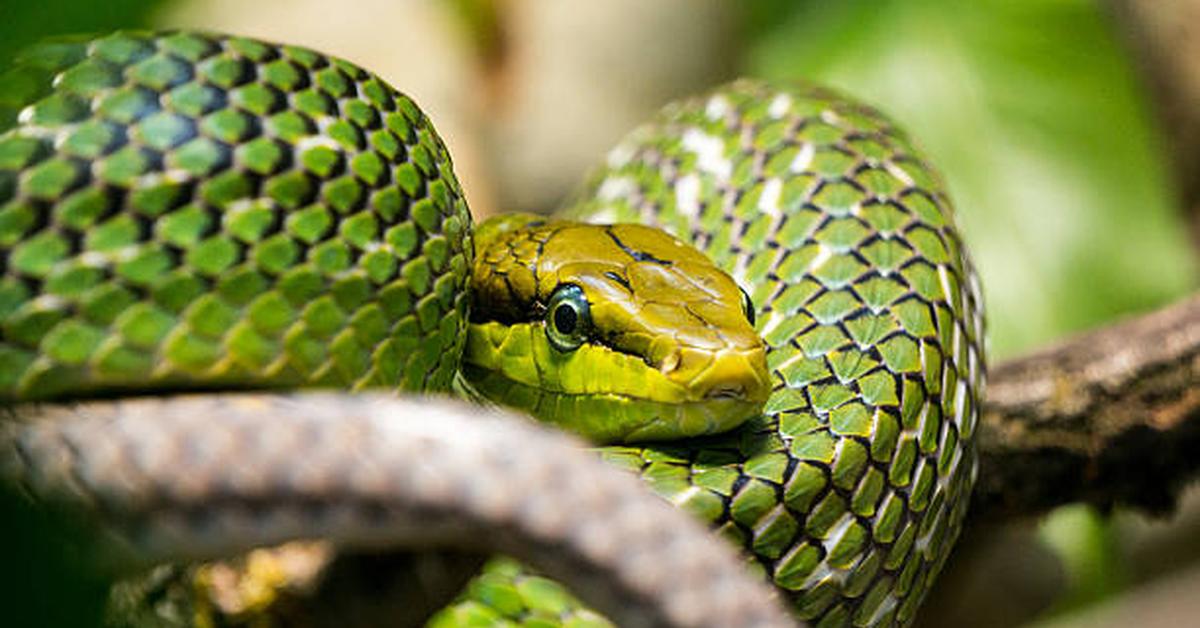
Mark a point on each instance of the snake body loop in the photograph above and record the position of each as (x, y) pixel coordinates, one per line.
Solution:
(851, 488)
(187, 212)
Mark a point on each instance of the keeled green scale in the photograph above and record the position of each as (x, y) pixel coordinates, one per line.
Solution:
(851, 490)
(184, 206)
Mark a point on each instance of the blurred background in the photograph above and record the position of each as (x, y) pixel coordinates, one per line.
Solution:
(1034, 110)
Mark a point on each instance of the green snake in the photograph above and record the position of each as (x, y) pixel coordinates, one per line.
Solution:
(186, 212)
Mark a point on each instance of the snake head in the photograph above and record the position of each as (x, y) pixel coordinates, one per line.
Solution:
(620, 332)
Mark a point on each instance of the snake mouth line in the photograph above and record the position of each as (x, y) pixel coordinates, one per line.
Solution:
(616, 417)
(523, 354)
(476, 374)
(727, 392)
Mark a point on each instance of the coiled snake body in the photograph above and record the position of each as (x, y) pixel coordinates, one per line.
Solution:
(191, 212)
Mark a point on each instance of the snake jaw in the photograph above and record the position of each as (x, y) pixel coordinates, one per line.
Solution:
(609, 396)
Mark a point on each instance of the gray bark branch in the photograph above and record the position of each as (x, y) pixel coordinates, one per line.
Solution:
(1109, 417)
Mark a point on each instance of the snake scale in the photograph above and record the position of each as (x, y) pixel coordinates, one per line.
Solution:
(195, 213)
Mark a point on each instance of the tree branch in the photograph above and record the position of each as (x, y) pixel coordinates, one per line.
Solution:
(1109, 417)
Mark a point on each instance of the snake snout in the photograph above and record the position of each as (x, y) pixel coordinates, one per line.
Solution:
(734, 376)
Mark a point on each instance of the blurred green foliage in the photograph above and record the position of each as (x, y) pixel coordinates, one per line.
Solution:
(24, 21)
(1032, 112)
(480, 19)
(1088, 547)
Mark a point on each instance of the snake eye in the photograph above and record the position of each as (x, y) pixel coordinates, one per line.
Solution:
(568, 318)
(748, 307)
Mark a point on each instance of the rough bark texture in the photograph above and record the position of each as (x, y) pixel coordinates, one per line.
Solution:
(1109, 417)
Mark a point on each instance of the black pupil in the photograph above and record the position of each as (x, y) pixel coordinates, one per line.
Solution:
(565, 319)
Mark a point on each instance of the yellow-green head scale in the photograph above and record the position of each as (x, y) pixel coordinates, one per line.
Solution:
(620, 332)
